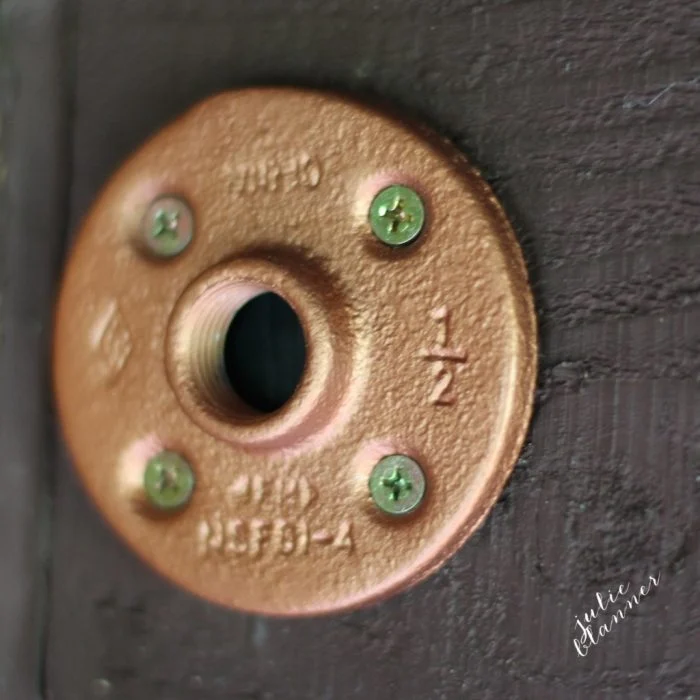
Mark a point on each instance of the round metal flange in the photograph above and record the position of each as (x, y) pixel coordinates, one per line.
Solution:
(421, 352)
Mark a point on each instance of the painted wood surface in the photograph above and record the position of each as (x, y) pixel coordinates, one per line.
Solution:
(585, 117)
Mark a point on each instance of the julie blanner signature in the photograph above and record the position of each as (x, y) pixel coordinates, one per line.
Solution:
(613, 609)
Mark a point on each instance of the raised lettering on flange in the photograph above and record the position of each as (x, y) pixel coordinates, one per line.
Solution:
(255, 538)
(445, 359)
(286, 493)
(279, 173)
(111, 342)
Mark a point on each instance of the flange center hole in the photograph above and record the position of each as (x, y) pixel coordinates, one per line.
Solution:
(265, 352)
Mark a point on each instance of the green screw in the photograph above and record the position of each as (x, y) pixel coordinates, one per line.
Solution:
(168, 226)
(397, 485)
(397, 215)
(169, 481)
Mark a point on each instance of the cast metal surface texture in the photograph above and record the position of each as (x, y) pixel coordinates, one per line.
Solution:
(427, 351)
(585, 119)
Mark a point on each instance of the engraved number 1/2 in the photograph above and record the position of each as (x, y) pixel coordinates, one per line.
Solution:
(446, 360)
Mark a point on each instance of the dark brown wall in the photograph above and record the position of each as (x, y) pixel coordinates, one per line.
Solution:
(585, 117)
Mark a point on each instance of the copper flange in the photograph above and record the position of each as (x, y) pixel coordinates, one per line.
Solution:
(427, 350)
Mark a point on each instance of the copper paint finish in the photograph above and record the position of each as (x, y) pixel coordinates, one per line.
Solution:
(428, 351)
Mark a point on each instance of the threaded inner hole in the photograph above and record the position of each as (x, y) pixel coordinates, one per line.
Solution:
(265, 352)
(247, 350)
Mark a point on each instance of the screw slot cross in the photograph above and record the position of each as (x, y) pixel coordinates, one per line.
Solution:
(396, 214)
(168, 226)
(168, 481)
(167, 478)
(398, 484)
(165, 222)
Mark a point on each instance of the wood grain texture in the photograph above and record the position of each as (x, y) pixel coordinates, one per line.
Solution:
(585, 117)
(32, 228)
